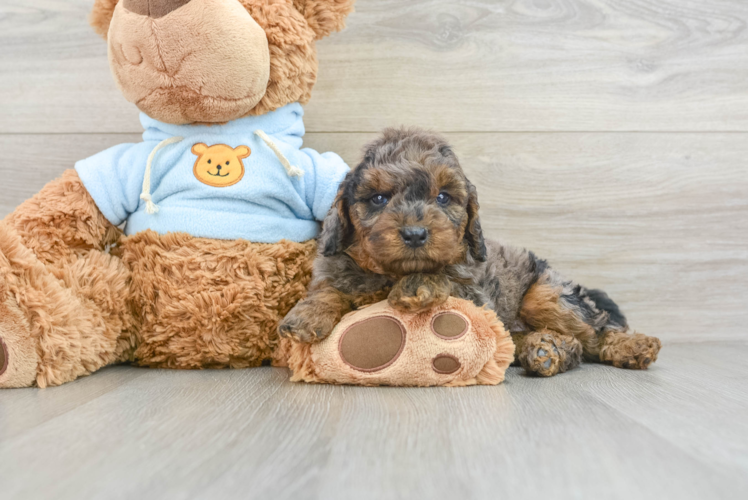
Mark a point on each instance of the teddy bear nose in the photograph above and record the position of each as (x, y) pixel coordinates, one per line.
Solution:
(414, 237)
(153, 8)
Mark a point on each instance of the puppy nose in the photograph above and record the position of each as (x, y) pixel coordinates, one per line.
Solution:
(414, 237)
(153, 8)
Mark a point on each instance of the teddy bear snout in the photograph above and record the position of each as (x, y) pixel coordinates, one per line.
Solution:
(153, 8)
(186, 66)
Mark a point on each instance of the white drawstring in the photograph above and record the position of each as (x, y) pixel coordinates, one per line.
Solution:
(290, 169)
(151, 207)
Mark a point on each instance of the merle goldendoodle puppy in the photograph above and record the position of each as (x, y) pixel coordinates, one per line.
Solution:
(405, 228)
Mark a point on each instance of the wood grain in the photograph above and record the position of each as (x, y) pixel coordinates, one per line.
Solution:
(483, 65)
(675, 431)
(658, 220)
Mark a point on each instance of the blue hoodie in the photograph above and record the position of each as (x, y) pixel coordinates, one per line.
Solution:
(191, 187)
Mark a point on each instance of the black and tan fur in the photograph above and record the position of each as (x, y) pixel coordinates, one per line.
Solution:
(410, 182)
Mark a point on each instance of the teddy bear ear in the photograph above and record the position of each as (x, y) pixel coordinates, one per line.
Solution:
(101, 16)
(324, 16)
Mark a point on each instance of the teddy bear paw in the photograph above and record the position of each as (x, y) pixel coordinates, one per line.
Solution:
(381, 345)
(18, 356)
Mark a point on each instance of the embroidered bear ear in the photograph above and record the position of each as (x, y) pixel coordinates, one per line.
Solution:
(199, 148)
(241, 152)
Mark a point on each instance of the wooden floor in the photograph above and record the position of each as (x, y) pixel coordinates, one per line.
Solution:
(679, 430)
(609, 136)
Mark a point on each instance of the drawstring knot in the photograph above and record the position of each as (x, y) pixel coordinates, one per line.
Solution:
(290, 169)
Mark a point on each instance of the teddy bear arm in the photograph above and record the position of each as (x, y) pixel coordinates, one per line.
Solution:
(62, 219)
(454, 344)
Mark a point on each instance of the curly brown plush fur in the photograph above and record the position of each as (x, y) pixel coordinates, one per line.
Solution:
(405, 224)
(71, 305)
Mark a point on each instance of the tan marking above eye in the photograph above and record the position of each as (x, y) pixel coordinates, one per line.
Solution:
(373, 344)
(445, 364)
(448, 325)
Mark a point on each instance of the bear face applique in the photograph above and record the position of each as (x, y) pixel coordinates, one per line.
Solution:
(219, 165)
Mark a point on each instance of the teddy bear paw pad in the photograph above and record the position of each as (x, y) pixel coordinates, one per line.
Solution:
(448, 325)
(446, 364)
(372, 344)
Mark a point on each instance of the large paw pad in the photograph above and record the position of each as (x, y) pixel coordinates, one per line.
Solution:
(372, 344)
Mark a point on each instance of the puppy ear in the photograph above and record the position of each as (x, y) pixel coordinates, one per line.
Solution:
(336, 228)
(324, 16)
(473, 231)
(101, 16)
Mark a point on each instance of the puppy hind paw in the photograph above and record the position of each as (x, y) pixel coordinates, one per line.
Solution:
(546, 354)
(635, 352)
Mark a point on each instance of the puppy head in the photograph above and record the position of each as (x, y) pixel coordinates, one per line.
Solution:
(407, 208)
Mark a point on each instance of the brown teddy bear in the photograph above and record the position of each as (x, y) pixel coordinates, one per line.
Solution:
(220, 204)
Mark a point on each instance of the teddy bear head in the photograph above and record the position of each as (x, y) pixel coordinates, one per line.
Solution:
(213, 61)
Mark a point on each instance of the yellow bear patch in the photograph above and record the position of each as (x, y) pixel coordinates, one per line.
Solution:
(219, 165)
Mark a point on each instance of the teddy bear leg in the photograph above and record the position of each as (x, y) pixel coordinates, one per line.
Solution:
(547, 353)
(63, 298)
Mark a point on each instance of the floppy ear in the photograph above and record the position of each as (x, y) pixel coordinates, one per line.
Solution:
(336, 228)
(101, 16)
(324, 16)
(199, 148)
(241, 151)
(473, 231)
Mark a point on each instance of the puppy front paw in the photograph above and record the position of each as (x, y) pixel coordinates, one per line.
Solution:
(417, 292)
(302, 325)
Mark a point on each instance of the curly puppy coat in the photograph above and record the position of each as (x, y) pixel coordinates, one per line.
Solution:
(405, 227)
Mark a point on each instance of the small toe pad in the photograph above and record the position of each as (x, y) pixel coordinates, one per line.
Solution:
(445, 363)
(372, 344)
(449, 325)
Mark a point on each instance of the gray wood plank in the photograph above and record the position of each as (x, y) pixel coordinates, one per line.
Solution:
(456, 66)
(32, 408)
(593, 432)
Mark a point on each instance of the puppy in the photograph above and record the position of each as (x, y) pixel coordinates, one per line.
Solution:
(405, 228)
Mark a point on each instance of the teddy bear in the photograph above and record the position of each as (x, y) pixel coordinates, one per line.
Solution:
(220, 203)
(187, 249)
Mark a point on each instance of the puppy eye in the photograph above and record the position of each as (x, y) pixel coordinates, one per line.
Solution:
(208, 162)
(443, 198)
(379, 200)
